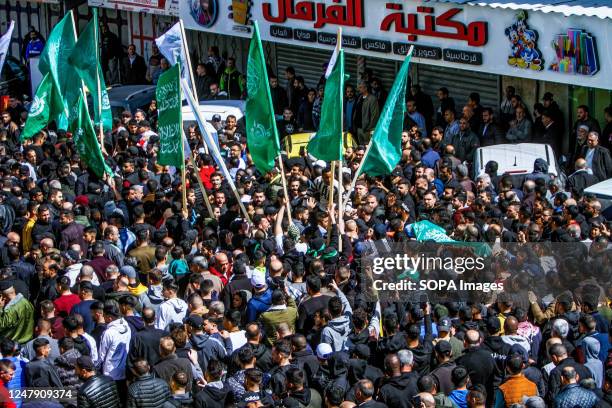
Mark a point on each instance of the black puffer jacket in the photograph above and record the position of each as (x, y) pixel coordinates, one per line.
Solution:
(99, 391)
(65, 368)
(147, 391)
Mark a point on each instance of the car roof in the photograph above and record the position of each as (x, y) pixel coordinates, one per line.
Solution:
(222, 108)
(601, 190)
(126, 92)
(517, 158)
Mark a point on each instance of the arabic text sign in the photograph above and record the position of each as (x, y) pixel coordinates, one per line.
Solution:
(461, 30)
(164, 7)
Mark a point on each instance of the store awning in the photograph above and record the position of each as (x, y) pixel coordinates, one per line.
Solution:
(590, 8)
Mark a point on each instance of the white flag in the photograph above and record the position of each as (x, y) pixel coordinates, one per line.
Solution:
(334, 57)
(171, 46)
(5, 41)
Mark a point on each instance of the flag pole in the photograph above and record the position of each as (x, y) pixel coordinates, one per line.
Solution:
(183, 166)
(190, 70)
(284, 180)
(340, 186)
(98, 85)
(365, 155)
(330, 202)
(215, 149)
(200, 184)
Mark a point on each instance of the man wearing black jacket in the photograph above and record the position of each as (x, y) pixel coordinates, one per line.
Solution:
(479, 363)
(146, 390)
(598, 158)
(145, 343)
(40, 372)
(559, 357)
(398, 388)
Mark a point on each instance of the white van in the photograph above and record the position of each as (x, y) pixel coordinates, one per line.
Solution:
(603, 192)
(515, 159)
(223, 108)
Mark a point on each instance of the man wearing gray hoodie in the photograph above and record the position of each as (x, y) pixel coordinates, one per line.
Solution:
(173, 309)
(511, 337)
(339, 327)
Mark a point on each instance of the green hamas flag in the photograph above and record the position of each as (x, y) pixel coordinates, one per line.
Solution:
(86, 61)
(54, 61)
(262, 135)
(327, 142)
(46, 104)
(86, 142)
(386, 144)
(169, 122)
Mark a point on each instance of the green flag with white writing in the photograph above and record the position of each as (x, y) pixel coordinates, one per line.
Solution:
(54, 61)
(327, 142)
(86, 142)
(169, 122)
(262, 135)
(47, 104)
(386, 144)
(85, 59)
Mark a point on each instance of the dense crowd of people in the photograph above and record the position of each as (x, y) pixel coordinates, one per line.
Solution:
(115, 292)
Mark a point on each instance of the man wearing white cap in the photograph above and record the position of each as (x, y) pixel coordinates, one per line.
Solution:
(262, 296)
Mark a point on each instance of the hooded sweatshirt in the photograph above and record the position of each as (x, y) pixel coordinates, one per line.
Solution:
(114, 348)
(208, 348)
(338, 329)
(591, 348)
(398, 391)
(512, 339)
(171, 311)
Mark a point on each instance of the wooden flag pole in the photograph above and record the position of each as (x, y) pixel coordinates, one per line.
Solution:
(99, 86)
(183, 166)
(284, 180)
(358, 172)
(215, 149)
(330, 202)
(189, 67)
(340, 186)
(200, 184)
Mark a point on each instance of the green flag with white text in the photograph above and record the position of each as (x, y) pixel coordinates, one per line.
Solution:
(327, 142)
(386, 144)
(169, 122)
(46, 104)
(54, 61)
(86, 142)
(85, 59)
(262, 135)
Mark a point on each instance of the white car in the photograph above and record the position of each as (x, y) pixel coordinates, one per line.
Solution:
(515, 159)
(220, 107)
(603, 192)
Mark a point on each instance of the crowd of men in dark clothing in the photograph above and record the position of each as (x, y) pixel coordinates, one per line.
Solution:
(115, 292)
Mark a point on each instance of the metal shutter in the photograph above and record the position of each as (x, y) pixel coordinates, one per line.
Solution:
(384, 69)
(460, 84)
(308, 63)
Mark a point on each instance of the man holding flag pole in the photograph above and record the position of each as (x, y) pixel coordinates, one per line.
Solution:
(327, 143)
(173, 46)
